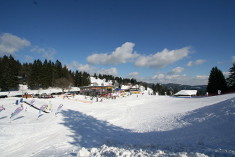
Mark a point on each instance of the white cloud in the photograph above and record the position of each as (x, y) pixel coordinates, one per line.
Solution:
(121, 55)
(176, 70)
(81, 67)
(202, 77)
(160, 77)
(226, 74)
(190, 63)
(196, 62)
(111, 71)
(125, 53)
(164, 78)
(91, 69)
(38, 49)
(86, 68)
(9, 44)
(233, 59)
(163, 58)
(179, 79)
(47, 53)
(174, 76)
(133, 74)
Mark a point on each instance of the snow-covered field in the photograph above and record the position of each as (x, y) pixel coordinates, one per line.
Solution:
(146, 125)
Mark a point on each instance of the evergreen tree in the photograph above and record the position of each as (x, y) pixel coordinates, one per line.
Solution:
(119, 80)
(145, 86)
(95, 76)
(216, 81)
(9, 73)
(15, 67)
(231, 79)
(25, 72)
(77, 79)
(35, 80)
(154, 89)
(57, 71)
(46, 74)
(133, 81)
(160, 89)
(100, 77)
(86, 79)
(1, 74)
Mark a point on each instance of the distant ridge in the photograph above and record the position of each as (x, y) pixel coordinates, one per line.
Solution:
(179, 87)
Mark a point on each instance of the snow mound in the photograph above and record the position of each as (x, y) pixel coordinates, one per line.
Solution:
(105, 151)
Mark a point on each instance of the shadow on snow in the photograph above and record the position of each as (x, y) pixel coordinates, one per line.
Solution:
(18, 118)
(90, 132)
(3, 117)
(206, 129)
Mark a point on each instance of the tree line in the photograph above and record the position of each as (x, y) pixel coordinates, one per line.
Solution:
(53, 74)
(38, 75)
(49, 74)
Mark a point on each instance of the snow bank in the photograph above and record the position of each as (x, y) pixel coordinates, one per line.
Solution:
(130, 152)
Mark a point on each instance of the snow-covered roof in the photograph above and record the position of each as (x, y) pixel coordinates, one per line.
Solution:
(135, 86)
(125, 87)
(186, 93)
(99, 82)
(75, 89)
(150, 90)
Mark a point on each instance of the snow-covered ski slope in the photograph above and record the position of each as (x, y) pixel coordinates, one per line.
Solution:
(146, 125)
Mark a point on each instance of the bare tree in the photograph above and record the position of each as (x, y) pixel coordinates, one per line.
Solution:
(62, 83)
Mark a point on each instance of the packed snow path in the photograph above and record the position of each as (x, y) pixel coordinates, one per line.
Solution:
(145, 125)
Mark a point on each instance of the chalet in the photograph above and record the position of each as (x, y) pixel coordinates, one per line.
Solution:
(96, 90)
(135, 89)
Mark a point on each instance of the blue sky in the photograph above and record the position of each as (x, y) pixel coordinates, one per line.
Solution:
(159, 41)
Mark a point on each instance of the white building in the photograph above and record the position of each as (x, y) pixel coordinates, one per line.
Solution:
(186, 93)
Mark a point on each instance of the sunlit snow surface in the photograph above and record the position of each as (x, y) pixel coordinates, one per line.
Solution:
(146, 125)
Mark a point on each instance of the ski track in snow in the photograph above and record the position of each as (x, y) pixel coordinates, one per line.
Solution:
(128, 126)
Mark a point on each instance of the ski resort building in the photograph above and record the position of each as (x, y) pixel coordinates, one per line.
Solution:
(96, 90)
(186, 93)
(132, 89)
(135, 89)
